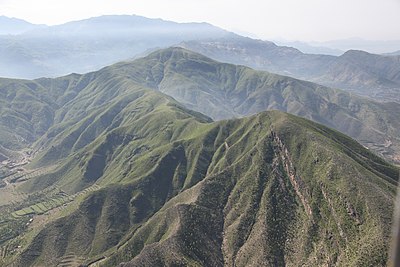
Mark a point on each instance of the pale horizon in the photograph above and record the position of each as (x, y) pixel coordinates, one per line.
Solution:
(309, 21)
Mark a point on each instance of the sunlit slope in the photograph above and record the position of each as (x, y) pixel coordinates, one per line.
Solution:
(375, 76)
(216, 89)
(26, 112)
(151, 182)
(224, 91)
(264, 190)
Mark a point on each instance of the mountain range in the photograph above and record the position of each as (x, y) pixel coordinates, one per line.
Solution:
(371, 75)
(334, 46)
(14, 26)
(218, 90)
(309, 48)
(224, 91)
(174, 158)
(90, 44)
(395, 53)
(120, 173)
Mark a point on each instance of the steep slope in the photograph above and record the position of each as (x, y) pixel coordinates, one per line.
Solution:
(225, 91)
(90, 44)
(356, 69)
(26, 112)
(376, 76)
(86, 45)
(122, 139)
(218, 90)
(124, 174)
(256, 211)
(29, 108)
(271, 183)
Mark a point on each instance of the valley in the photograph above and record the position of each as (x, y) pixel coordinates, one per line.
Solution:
(133, 141)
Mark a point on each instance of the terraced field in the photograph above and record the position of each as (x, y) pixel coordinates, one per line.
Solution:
(58, 199)
(70, 260)
(23, 176)
(10, 193)
(50, 203)
(178, 189)
(20, 211)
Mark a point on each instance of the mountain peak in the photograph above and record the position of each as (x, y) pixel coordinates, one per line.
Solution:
(150, 182)
(355, 52)
(177, 53)
(14, 26)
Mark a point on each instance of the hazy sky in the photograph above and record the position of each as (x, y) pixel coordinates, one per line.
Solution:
(306, 20)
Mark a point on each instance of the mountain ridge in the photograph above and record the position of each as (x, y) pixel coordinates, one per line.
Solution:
(224, 168)
(87, 45)
(124, 174)
(224, 91)
(375, 76)
(15, 26)
(220, 91)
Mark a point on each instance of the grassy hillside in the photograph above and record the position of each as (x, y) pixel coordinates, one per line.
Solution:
(120, 173)
(225, 91)
(218, 90)
(375, 76)
(26, 112)
(219, 192)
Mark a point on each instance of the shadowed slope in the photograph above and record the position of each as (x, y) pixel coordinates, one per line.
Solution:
(271, 189)
(146, 181)
(225, 91)
(375, 76)
(215, 89)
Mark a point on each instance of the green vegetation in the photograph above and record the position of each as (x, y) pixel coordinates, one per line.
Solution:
(130, 176)
(374, 76)
(221, 91)
(262, 181)
(224, 91)
(44, 206)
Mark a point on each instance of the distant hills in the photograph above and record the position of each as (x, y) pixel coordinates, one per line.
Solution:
(14, 26)
(225, 91)
(360, 70)
(216, 89)
(87, 45)
(310, 48)
(367, 74)
(90, 44)
(370, 46)
(396, 53)
(122, 174)
(332, 47)
(177, 159)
